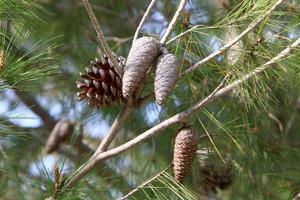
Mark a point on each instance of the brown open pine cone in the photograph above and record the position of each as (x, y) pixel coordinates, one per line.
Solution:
(102, 85)
(184, 152)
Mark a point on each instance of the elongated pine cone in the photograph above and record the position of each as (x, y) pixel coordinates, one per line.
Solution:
(184, 152)
(142, 55)
(102, 85)
(2, 59)
(166, 76)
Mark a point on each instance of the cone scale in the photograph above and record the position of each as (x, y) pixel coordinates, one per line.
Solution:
(102, 86)
(142, 55)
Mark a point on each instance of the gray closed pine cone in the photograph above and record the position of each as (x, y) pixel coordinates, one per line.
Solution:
(166, 76)
(184, 152)
(142, 55)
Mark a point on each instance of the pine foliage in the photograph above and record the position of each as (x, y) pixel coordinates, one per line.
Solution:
(248, 139)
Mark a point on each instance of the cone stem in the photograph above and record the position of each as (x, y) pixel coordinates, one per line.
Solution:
(173, 21)
(143, 21)
(183, 116)
(179, 117)
(101, 37)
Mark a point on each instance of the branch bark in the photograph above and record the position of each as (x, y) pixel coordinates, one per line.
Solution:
(105, 171)
(101, 37)
(33, 105)
(127, 110)
(183, 33)
(119, 121)
(178, 118)
(143, 20)
(173, 21)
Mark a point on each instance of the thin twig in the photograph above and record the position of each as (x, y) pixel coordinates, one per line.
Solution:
(118, 39)
(173, 21)
(156, 129)
(260, 69)
(180, 117)
(143, 20)
(232, 42)
(290, 122)
(146, 182)
(277, 121)
(219, 86)
(119, 121)
(101, 37)
(143, 100)
(183, 33)
(126, 111)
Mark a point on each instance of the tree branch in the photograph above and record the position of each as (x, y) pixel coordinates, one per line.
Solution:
(178, 118)
(173, 21)
(33, 105)
(119, 121)
(183, 33)
(297, 197)
(143, 20)
(101, 37)
(106, 171)
(117, 124)
(233, 42)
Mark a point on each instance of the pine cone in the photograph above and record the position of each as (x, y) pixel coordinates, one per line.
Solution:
(61, 132)
(2, 60)
(184, 151)
(103, 85)
(142, 55)
(166, 76)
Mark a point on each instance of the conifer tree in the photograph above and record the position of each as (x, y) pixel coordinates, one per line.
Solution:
(149, 99)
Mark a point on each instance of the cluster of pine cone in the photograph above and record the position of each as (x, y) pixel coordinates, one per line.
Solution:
(102, 86)
(147, 52)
